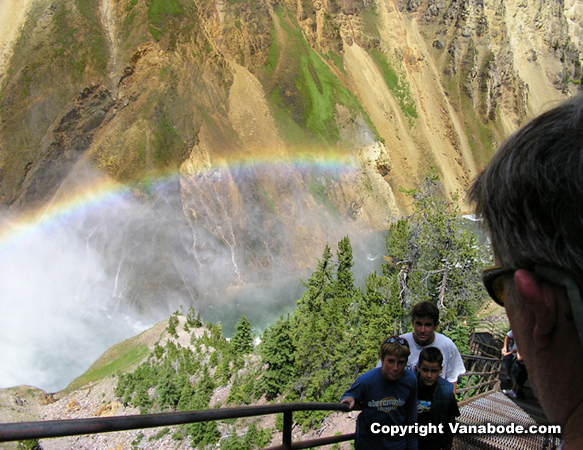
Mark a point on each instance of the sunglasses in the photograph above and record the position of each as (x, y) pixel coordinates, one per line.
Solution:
(392, 340)
(494, 284)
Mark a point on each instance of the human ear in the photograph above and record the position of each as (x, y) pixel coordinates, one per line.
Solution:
(540, 299)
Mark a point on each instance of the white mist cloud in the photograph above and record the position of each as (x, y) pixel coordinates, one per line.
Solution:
(73, 287)
(53, 321)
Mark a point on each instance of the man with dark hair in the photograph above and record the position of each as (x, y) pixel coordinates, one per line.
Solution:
(425, 318)
(530, 198)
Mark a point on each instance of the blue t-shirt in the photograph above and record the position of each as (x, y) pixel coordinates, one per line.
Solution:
(387, 403)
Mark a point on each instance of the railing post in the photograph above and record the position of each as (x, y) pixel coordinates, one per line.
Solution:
(287, 429)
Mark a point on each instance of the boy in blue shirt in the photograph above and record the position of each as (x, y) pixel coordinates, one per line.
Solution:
(436, 402)
(388, 395)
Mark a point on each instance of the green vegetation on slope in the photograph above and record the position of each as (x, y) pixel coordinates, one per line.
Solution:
(98, 49)
(120, 358)
(160, 12)
(317, 188)
(370, 19)
(304, 98)
(167, 144)
(396, 83)
(178, 378)
(264, 194)
(74, 49)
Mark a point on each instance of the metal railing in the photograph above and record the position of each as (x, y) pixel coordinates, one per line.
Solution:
(481, 377)
(16, 431)
(488, 338)
(482, 374)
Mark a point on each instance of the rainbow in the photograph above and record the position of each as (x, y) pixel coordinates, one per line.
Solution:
(18, 225)
(103, 191)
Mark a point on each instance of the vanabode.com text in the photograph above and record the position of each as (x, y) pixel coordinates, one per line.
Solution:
(488, 428)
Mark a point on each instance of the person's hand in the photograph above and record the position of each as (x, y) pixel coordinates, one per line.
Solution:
(349, 401)
(505, 353)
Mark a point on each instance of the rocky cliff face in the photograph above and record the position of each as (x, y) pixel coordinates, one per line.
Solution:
(278, 124)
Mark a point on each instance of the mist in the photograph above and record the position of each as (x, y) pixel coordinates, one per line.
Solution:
(76, 284)
(57, 314)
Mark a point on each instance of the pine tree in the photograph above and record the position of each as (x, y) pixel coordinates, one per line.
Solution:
(29, 444)
(403, 253)
(319, 287)
(223, 372)
(141, 399)
(311, 338)
(168, 389)
(434, 257)
(344, 285)
(379, 313)
(193, 318)
(324, 348)
(186, 395)
(278, 351)
(172, 324)
(242, 340)
(203, 433)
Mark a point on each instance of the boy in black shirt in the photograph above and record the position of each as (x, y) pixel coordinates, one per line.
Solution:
(436, 402)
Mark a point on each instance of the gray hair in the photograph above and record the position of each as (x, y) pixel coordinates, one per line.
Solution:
(531, 194)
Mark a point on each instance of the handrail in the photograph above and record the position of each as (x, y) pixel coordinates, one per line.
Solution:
(482, 373)
(497, 333)
(58, 428)
(481, 358)
(15, 431)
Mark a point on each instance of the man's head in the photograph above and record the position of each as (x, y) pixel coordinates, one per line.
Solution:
(430, 365)
(530, 198)
(531, 194)
(394, 353)
(424, 318)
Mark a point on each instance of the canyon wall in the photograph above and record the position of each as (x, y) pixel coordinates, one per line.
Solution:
(275, 125)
